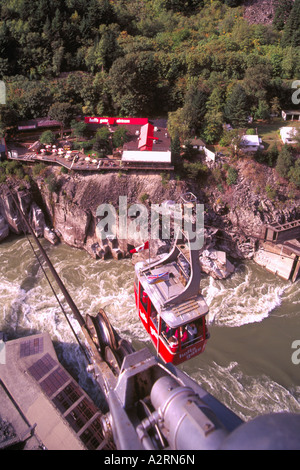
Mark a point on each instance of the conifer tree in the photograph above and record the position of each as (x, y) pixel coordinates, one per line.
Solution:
(236, 108)
(214, 116)
(283, 9)
(284, 162)
(291, 32)
(233, 3)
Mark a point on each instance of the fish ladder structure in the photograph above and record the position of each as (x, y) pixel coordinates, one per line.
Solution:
(280, 250)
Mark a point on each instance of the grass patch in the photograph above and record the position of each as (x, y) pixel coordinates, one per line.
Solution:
(270, 132)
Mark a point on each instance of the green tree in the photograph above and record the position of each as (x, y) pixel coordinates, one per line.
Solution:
(284, 162)
(289, 62)
(275, 106)
(263, 110)
(294, 174)
(120, 137)
(256, 83)
(57, 60)
(29, 99)
(232, 3)
(132, 83)
(62, 112)
(214, 116)
(291, 32)
(7, 45)
(79, 129)
(176, 150)
(283, 9)
(272, 155)
(186, 7)
(194, 109)
(108, 49)
(195, 170)
(47, 137)
(213, 126)
(102, 144)
(178, 125)
(236, 109)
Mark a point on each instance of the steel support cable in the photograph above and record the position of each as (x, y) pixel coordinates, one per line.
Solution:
(47, 277)
(57, 299)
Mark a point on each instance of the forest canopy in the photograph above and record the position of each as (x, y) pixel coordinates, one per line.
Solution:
(197, 61)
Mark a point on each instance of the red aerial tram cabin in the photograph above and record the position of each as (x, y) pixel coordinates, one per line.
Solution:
(170, 305)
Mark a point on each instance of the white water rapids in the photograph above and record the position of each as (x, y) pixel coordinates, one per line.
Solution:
(253, 320)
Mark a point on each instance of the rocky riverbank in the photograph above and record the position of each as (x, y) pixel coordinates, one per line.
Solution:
(233, 220)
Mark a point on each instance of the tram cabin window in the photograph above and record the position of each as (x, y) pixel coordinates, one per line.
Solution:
(143, 297)
(192, 331)
(153, 315)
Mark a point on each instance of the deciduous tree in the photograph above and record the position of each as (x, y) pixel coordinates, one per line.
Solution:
(62, 112)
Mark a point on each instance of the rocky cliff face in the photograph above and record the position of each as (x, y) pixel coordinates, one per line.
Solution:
(71, 212)
(233, 220)
(11, 221)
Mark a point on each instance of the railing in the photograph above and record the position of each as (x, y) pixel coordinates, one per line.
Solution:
(104, 164)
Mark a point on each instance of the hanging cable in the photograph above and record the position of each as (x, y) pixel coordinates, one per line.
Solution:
(57, 299)
(66, 294)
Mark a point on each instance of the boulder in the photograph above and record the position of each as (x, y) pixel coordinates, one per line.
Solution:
(51, 236)
(37, 220)
(216, 264)
(4, 229)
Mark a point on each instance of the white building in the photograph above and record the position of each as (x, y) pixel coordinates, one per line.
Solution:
(288, 135)
(292, 115)
(145, 157)
(251, 143)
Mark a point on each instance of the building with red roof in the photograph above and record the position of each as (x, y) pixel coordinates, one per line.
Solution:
(146, 138)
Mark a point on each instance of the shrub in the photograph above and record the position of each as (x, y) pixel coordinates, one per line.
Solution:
(294, 174)
(269, 158)
(271, 192)
(38, 169)
(195, 170)
(165, 178)
(64, 170)
(217, 175)
(11, 167)
(144, 197)
(47, 138)
(2, 178)
(19, 173)
(85, 145)
(232, 176)
(272, 155)
(53, 184)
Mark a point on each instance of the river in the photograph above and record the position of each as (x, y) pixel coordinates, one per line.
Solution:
(254, 319)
